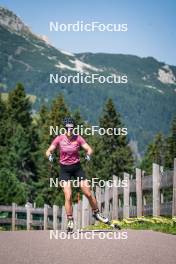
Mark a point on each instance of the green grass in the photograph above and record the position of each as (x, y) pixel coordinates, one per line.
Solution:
(161, 224)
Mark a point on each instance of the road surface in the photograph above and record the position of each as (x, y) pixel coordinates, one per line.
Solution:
(36, 247)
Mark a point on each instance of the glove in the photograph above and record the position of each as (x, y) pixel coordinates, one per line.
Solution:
(87, 157)
(50, 158)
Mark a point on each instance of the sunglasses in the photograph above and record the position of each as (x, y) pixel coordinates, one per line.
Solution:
(69, 126)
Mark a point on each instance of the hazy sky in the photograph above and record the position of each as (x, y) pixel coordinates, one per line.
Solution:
(151, 25)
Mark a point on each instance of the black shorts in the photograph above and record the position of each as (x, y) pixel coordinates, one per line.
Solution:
(74, 171)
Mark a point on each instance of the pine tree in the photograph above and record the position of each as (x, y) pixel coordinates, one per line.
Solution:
(12, 190)
(3, 120)
(78, 118)
(3, 130)
(10, 187)
(21, 146)
(58, 111)
(170, 152)
(113, 155)
(19, 154)
(43, 115)
(154, 154)
(19, 107)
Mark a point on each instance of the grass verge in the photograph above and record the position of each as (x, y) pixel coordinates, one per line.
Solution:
(161, 224)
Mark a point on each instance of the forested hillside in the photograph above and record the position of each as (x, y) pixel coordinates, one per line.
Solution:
(146, 102)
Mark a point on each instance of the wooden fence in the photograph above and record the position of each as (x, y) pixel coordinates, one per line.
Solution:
(116, 203)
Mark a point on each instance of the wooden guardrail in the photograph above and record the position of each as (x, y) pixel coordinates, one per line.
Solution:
(114, 202)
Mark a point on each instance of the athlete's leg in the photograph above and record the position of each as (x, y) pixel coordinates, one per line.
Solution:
(85, 187)
(68, 198)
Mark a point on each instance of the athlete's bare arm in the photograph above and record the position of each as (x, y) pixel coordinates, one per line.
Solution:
(50, 150)
(88, 149)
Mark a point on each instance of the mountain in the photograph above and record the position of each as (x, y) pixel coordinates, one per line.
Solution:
(147, 102)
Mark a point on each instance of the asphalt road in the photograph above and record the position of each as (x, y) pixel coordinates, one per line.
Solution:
(35, 247)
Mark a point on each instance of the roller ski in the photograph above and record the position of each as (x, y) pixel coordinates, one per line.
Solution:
(70, 226)
(99, 217)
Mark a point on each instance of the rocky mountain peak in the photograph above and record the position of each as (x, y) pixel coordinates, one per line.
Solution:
(12, 22)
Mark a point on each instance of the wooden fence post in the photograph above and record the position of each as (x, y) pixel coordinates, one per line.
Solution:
(55, 211)
(79, 214)
(106, 199)
(64, 219)
(156, 189)
(28, 212)
(115, 198)
(13, 216)
(85, 211)
(139, 192)
(174, 191)
(45, 216)
(75, 215)
(98, 196)
(91, 218)
(126, 196)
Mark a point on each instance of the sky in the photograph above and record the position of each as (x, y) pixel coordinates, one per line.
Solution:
(151, 25)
